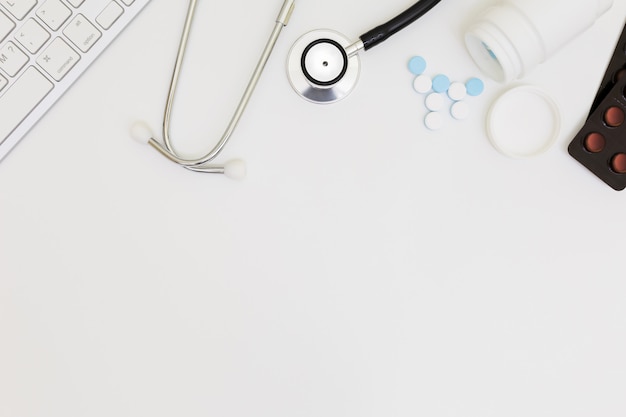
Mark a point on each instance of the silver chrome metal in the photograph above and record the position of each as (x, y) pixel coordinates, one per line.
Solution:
(355, 48)
(336, 45)
(199, 164)
(285, 12)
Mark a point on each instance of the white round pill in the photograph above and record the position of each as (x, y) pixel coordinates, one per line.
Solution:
(422, 84)
(434, 120)
(460, 110)
(457, 91)
(434, 102)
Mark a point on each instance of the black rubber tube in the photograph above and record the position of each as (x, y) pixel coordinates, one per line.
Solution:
(384, 31)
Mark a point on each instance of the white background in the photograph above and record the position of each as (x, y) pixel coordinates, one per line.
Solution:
(366, 266)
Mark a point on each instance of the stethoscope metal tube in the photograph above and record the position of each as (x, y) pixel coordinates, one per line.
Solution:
(199, 164)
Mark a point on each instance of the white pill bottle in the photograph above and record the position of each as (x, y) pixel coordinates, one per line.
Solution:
(514, 36)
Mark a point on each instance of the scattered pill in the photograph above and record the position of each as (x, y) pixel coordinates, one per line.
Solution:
(475, 87)
(460, 110)
(440, 88)
(417, 65)
(423, 84)
(434, 120)
(441, 83)
(434, 102)
(457, 91)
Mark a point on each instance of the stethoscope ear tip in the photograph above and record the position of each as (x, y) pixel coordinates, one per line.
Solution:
(141, 132)
(235, 169)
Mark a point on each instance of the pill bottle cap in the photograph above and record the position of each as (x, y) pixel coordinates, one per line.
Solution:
(523, 122)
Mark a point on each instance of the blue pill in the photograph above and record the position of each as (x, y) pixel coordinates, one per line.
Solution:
(441, 84)
(475, 87)
(417, 65)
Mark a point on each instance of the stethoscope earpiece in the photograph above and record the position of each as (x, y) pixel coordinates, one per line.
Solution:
(235, 169)
(141, 132)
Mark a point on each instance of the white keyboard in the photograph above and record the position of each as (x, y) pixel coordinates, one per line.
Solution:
(45, 45)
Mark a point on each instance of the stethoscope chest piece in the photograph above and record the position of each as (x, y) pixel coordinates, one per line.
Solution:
(319, 68)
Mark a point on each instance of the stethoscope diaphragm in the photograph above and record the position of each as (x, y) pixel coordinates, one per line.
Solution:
(319, 68)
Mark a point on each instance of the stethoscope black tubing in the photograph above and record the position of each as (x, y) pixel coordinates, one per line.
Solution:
(384, 31)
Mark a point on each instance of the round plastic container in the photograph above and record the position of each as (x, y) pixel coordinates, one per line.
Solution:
(511, 38)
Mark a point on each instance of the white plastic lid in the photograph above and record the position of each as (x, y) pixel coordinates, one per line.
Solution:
(523, 122)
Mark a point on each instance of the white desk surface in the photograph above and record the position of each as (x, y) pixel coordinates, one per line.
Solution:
(366, 267)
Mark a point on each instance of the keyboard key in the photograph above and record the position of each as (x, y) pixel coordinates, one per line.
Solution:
(54, 13)
(82, 33)
(58, 59)
(109, 15)
(6, 26)
(12, 59)
(19, 8)
(32, 36)
(21, 98)
(44, 46)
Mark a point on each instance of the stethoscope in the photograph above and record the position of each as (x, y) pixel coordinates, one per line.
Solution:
(323, 67)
